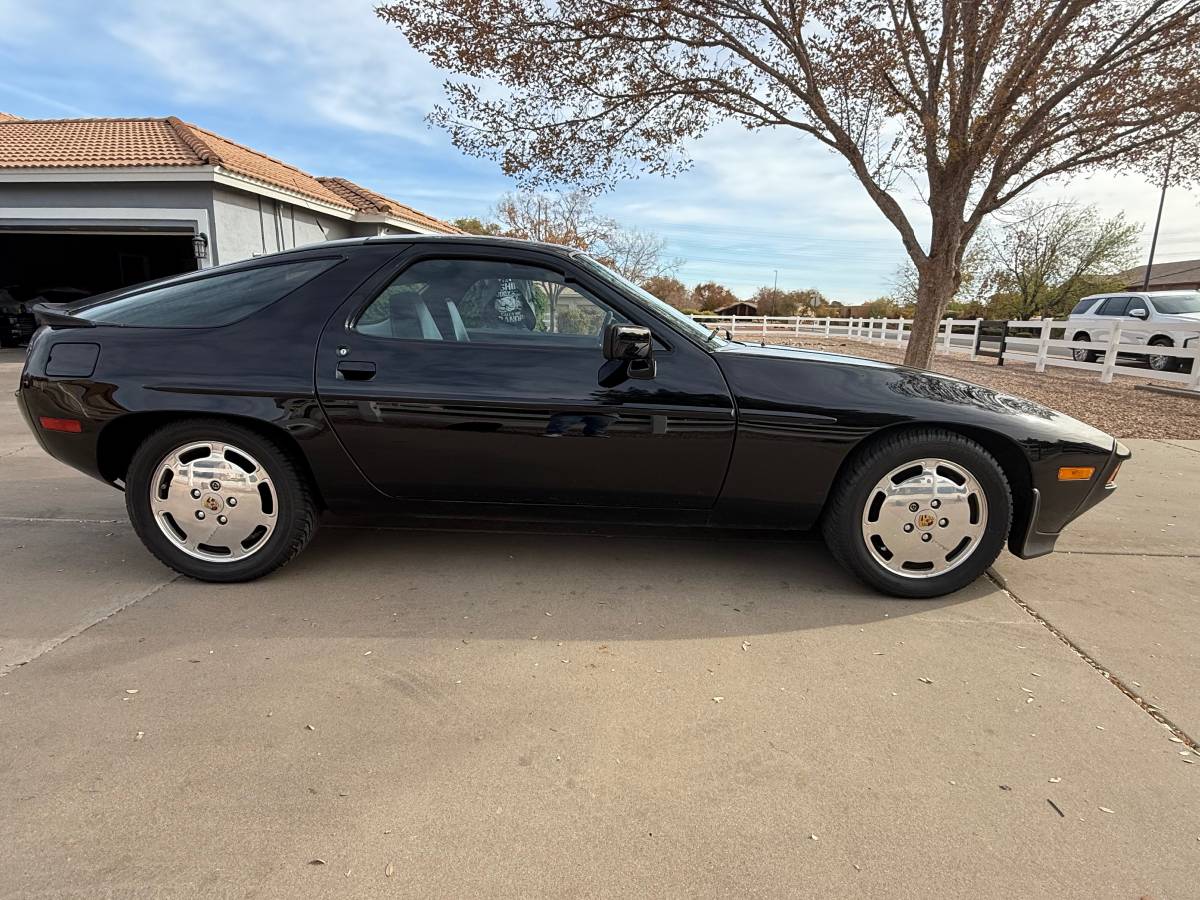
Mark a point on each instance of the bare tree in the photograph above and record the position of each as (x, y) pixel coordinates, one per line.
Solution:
(638, 255)
(571, 219)
(973, 101)
(1052, 254)
(567, 218)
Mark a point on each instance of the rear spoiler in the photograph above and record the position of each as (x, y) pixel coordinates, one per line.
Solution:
(56, 315)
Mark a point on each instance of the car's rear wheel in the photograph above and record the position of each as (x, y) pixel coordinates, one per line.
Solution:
(1081, 355)
(1161, 363)
(217, 501)
(919, 513)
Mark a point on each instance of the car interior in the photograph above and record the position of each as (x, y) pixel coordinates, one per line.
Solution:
(440, 301)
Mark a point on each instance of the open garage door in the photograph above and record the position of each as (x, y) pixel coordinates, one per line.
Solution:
(88, 262)
(61, 267)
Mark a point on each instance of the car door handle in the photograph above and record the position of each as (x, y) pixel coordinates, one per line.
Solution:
(355, 371)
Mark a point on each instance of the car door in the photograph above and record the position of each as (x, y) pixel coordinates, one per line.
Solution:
(1134, 328)
(1111, 310)
(478, 375)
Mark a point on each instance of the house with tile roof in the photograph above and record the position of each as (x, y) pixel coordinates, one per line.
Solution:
(96, 204)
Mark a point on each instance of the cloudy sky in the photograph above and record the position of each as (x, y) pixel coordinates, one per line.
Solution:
(328, 87)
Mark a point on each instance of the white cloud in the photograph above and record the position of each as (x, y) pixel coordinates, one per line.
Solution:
(307, 59)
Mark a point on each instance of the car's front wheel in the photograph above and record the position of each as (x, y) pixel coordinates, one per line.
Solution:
(1079, 354)
(217, 501)
(919, 513)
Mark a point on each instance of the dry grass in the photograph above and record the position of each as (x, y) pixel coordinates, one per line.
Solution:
(1117, 408)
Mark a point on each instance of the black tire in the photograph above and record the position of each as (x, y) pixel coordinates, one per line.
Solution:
(1083, 355)
(296, 515)
(842, 521)
(1162, 363)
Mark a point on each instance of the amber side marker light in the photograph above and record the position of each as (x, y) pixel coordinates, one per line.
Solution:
(71, 426)
(1076, 473)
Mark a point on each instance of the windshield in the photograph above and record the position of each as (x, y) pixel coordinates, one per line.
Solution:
(1173, 306)
(664, 310)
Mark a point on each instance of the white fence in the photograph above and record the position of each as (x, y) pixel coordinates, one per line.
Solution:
(1042, 342)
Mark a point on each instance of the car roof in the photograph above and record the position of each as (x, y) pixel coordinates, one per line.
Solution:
(481, 239)
(280, 255)
(1151, 294)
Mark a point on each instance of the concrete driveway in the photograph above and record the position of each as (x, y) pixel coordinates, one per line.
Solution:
(457, 713)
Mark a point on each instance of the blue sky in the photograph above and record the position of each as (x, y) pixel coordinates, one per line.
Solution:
(328, 87)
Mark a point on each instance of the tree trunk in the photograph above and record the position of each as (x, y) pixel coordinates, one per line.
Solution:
(937, 281)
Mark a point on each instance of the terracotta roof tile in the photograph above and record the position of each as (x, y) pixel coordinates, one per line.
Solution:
(369, 201)
(114, 143)
(244, 161)
(33, 143)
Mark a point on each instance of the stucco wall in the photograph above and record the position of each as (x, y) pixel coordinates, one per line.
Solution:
(239, 224)
(169, 206)
(246, 224)
(115, 195)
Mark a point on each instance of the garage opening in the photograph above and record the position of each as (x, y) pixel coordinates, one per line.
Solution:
(60, 267)
(64, 266)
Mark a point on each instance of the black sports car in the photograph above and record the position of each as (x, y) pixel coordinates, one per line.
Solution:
(490, 377)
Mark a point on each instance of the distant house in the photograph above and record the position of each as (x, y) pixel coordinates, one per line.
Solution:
(97, 204)
(1171, 276)
(741, 308)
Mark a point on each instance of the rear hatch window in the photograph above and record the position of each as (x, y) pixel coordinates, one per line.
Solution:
(202, 300)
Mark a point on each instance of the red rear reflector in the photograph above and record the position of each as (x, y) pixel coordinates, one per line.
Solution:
(73, 426)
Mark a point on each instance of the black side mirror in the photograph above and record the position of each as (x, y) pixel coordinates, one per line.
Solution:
(626, 342)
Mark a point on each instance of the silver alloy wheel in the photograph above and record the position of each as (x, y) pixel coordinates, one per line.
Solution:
(1078, 353)
(924, 518)
(1160, 363)
(214, 501)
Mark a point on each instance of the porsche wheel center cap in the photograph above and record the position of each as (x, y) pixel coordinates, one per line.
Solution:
(925, 519)
(211, 503)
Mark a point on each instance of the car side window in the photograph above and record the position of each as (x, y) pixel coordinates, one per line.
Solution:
(1136, 303)
(1113, 306)
(1083, 306)
(488, 301)
(207, 300)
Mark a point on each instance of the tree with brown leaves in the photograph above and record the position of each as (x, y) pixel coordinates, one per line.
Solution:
(710, 295)
(974, 101)
(668, 290)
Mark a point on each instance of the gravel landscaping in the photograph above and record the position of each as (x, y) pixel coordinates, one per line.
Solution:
(1117, 408)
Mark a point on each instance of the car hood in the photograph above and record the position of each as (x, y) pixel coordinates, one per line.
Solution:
(893, 389)
(1192, 319)
(798, 354)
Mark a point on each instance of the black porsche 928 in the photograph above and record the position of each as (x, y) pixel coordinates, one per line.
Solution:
(490, 377)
